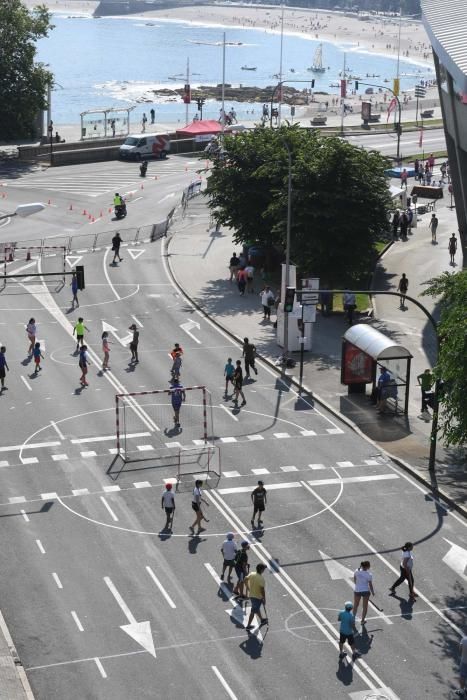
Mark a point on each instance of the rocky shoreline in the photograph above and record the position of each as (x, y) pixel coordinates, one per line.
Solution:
(240, 93)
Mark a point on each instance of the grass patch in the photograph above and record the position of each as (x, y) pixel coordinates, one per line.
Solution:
(363, 302)
(380, 246)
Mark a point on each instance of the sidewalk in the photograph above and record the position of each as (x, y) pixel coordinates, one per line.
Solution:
(13, 682)
(199, 260)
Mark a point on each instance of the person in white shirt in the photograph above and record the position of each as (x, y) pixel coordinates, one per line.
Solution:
(406, 569)
(168, 503)
(267, 300)
(250, 274)
(462, 668)
(363, 580)
(196, 501)
(349, 303)
(229, 550)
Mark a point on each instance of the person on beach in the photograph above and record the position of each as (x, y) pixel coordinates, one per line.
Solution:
(152, 112)
(31, 330)
(196, 501)
(363, 580)
(144, 121)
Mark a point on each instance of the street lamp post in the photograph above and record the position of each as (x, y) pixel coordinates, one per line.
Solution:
(287, 247)
(25, 210)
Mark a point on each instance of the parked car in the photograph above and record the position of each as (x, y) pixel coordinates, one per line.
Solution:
(138, 146)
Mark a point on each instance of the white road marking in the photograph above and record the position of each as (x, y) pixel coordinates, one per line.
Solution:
(49, 496)
(80, 492)
(317, 466)
(139, 631)
(77, 621)
(142, 485)
(160, 587)
(229, 413)
(100, 667)
(281, 436)
(107, 277)
(271, 487)
(29, 460)
(383, 692)
(230, 475)
(261, 470)
(372, 462)
(73, 260)
(57, 580)
(17, 499)
(102, 438)
(227, 440)
(345, 464)
(252, 438)
(88, 453)
(137, 321)
(188, 326)
(334, 431)
(224, 683)
(135, 253)
(289, 468)
(307, 433)
(4, 463)
(456, 559)
(112, 514)
(145, 448)
(111, 489)
(26, 383)
(57, 430)
(174, 444)
(41, 548)
(28, 446)
(352, 479)
(25, 516)
(60, 458)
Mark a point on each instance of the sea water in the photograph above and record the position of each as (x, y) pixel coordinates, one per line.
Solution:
(117, 61)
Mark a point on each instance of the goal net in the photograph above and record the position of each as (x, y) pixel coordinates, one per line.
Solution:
(198, 463)
(27, 263)
(148, 427)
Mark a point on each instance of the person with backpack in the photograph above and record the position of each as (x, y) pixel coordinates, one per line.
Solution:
(259, 500)
(402, 287)
(249, 353)
(229, 550)
(242, 568)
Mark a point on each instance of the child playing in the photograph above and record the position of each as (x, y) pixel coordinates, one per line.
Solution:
(105, 350)
(229, 370)
(176, 366)
(37, 357)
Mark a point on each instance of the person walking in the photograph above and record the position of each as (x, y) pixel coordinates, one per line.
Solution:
(395, 224)
(349, 303)
(425, 381)
(134, 343)
(229, 550)
(3, 368)
(168, 504)
(452, 247)
(83, 363)
(238, 383)
(250, 276)
(234, 263)
(196, 501)
(176, 367)
(178, 396)
(105, 349)
(241, 280)
(256, 590)
(242, 568)
(38, 356)
(406, 569)
(267, 300)
(404, 178)
(31, 330)
(433, 226)
(79, 331)
(74, 290)
(461, 692)
(363, 580)
(229, 370)
(347, 630)
(152, 113)
(116, 243)
(402, 287)
(259, 500)
(404, 225)
(249, 353)
(144, 121)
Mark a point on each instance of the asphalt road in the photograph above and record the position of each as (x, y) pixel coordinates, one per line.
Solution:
(433, 140)
(102, 603)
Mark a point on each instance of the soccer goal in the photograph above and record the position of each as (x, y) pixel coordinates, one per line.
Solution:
(34, 264)
(146, 429)
(199, 462)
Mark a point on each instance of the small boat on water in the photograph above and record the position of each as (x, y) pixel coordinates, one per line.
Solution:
(249, 68)
(317, 66)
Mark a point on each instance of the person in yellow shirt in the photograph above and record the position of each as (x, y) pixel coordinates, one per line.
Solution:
(255, 586)
(78, 330)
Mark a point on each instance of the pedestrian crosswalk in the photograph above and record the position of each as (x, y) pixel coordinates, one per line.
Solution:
(115, 177)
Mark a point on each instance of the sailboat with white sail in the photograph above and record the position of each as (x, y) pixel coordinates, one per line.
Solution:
(317, 66)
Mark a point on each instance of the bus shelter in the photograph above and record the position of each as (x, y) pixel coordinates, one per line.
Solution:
(105, 123)
(364, 350)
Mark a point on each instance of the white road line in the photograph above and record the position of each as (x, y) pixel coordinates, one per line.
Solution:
(60, 458)
(25, 516)
(352, 479)
(142, 485)
(102, 438)
(289, 468)
(49, 496)
(88, 453)
(100, 667)
(17, 499)
(231, 474)
(160, 587)
(229, 413)
(57, 580)
(255, 437)
(228, 440)
(317, 466)
(281, 436)
(41, 548)
(345, 464)
(77, 621)
(271, 487)
(111, 489)
(57, 430)
(80, 492)
(112, 514)
(28, 446)
(261, 470)
(137, 321)
(107, 277)
(26, 383)
(4, 463)
(224, 683)
(29, 460)
(145, 448)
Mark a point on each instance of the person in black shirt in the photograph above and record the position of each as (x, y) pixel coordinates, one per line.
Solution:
(134, 343)
(238, 383)
(249, 353)
(234, 264)
(116, 241)
(258, 497)
(241, 568)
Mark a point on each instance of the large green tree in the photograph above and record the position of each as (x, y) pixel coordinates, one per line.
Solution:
(23, 83)
(451, 367)
(340, 198)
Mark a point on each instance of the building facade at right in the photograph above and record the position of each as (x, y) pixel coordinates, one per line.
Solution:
(446, 25)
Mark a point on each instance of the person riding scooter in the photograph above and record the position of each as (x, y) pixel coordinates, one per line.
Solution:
(120, 206)
(143, 168)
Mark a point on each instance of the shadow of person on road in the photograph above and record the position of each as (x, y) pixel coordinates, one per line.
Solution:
(344, 671)
(165, 534)
(193, 543)
(406, 607)
(252, 646)
(365, 640)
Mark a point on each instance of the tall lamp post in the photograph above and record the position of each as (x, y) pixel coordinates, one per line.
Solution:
(287, 246)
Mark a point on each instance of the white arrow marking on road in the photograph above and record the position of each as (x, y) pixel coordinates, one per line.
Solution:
(336, 571)
(73, 260)
(135, 253)
(139, 631)
(456, 559)
(238, 613)
(187, 327)
(110, 329)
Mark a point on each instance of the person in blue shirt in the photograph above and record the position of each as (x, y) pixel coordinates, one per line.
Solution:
(178, 395)
(229, 370)
(74, 290)
(347, 629)
(3, 367)
(384, 380)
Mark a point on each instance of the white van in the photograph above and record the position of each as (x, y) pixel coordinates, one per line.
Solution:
(138, 146)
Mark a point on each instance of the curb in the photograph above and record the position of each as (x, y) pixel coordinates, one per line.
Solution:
(397, 460)
(16, 660)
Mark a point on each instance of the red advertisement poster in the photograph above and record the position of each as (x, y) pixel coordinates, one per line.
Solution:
(357, 367)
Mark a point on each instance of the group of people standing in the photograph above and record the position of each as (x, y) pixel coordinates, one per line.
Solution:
(243, 273)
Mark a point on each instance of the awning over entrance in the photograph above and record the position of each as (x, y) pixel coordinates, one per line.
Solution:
(374, 343)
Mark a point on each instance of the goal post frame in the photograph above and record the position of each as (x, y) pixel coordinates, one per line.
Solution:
(213, 455)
